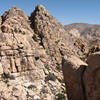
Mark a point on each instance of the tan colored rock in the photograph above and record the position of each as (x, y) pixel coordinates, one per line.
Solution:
(6, 65)
(36, 97)
(47, 97)
(73, 69)
(17, 91)
(82, 46)
(74, 32)
(30, 54)
(12, 63)
(92, 77)
(1, 69)
(18, 65)
(17, 41)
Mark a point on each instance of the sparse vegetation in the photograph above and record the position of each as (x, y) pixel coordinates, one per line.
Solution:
(7, 76)
(31, 86)
(51, 77)
(46, 66)
(35, 37)
(15, 30)
(83, 58)
(60, 96)
(59, 67)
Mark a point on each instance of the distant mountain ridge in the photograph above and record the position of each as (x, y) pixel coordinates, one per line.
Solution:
(82, 26)
(88, 31)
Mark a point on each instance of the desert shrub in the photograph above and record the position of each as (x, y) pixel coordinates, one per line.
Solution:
(31, 86)
(83, 58)
(35, 37)
(59, 67)
(46, 66)
(60, 96)
(51, 77)
(15, 30)
(7, 76)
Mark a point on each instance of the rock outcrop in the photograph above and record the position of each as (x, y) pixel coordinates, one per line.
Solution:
(20, 56)
(31, 52)
(73, 70)
(27, 69)
(82, 46)
(52, 33)
(92, 77)
(17, 47)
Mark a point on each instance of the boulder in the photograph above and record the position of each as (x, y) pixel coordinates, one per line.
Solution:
(92, 77)
(73, 69)
(1, 69)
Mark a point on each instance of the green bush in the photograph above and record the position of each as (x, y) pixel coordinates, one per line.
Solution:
(35, 38)
(60, 96)
(51, 77)
(7, 76)
(31, 86)
(82, 58)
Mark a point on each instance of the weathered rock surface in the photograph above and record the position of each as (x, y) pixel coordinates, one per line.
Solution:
(82, 46)
(17, 48)
(53, 35)
(73, 69)
(92, 77)
(27, 69)
(31, 51)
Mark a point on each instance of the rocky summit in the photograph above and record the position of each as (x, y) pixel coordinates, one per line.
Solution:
(41, 60)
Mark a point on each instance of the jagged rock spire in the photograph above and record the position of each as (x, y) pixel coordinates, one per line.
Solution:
(14, 11)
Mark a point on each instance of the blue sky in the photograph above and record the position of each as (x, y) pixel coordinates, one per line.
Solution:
(66, 11)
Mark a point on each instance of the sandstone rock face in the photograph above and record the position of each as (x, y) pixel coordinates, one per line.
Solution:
(49, 30)
(73, 69)
(92, 77)
(17, 47)
(52, 33)
(27, 68)
(82, 46)
(31, 51)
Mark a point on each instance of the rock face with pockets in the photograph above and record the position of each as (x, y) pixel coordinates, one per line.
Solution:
(92, 77)
(73, 69)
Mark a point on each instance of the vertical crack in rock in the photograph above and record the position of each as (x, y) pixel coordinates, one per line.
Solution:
(73, 70)
(82, 82)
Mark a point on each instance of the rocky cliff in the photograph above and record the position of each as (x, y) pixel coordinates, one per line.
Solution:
(31, 50)
(32, 63)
